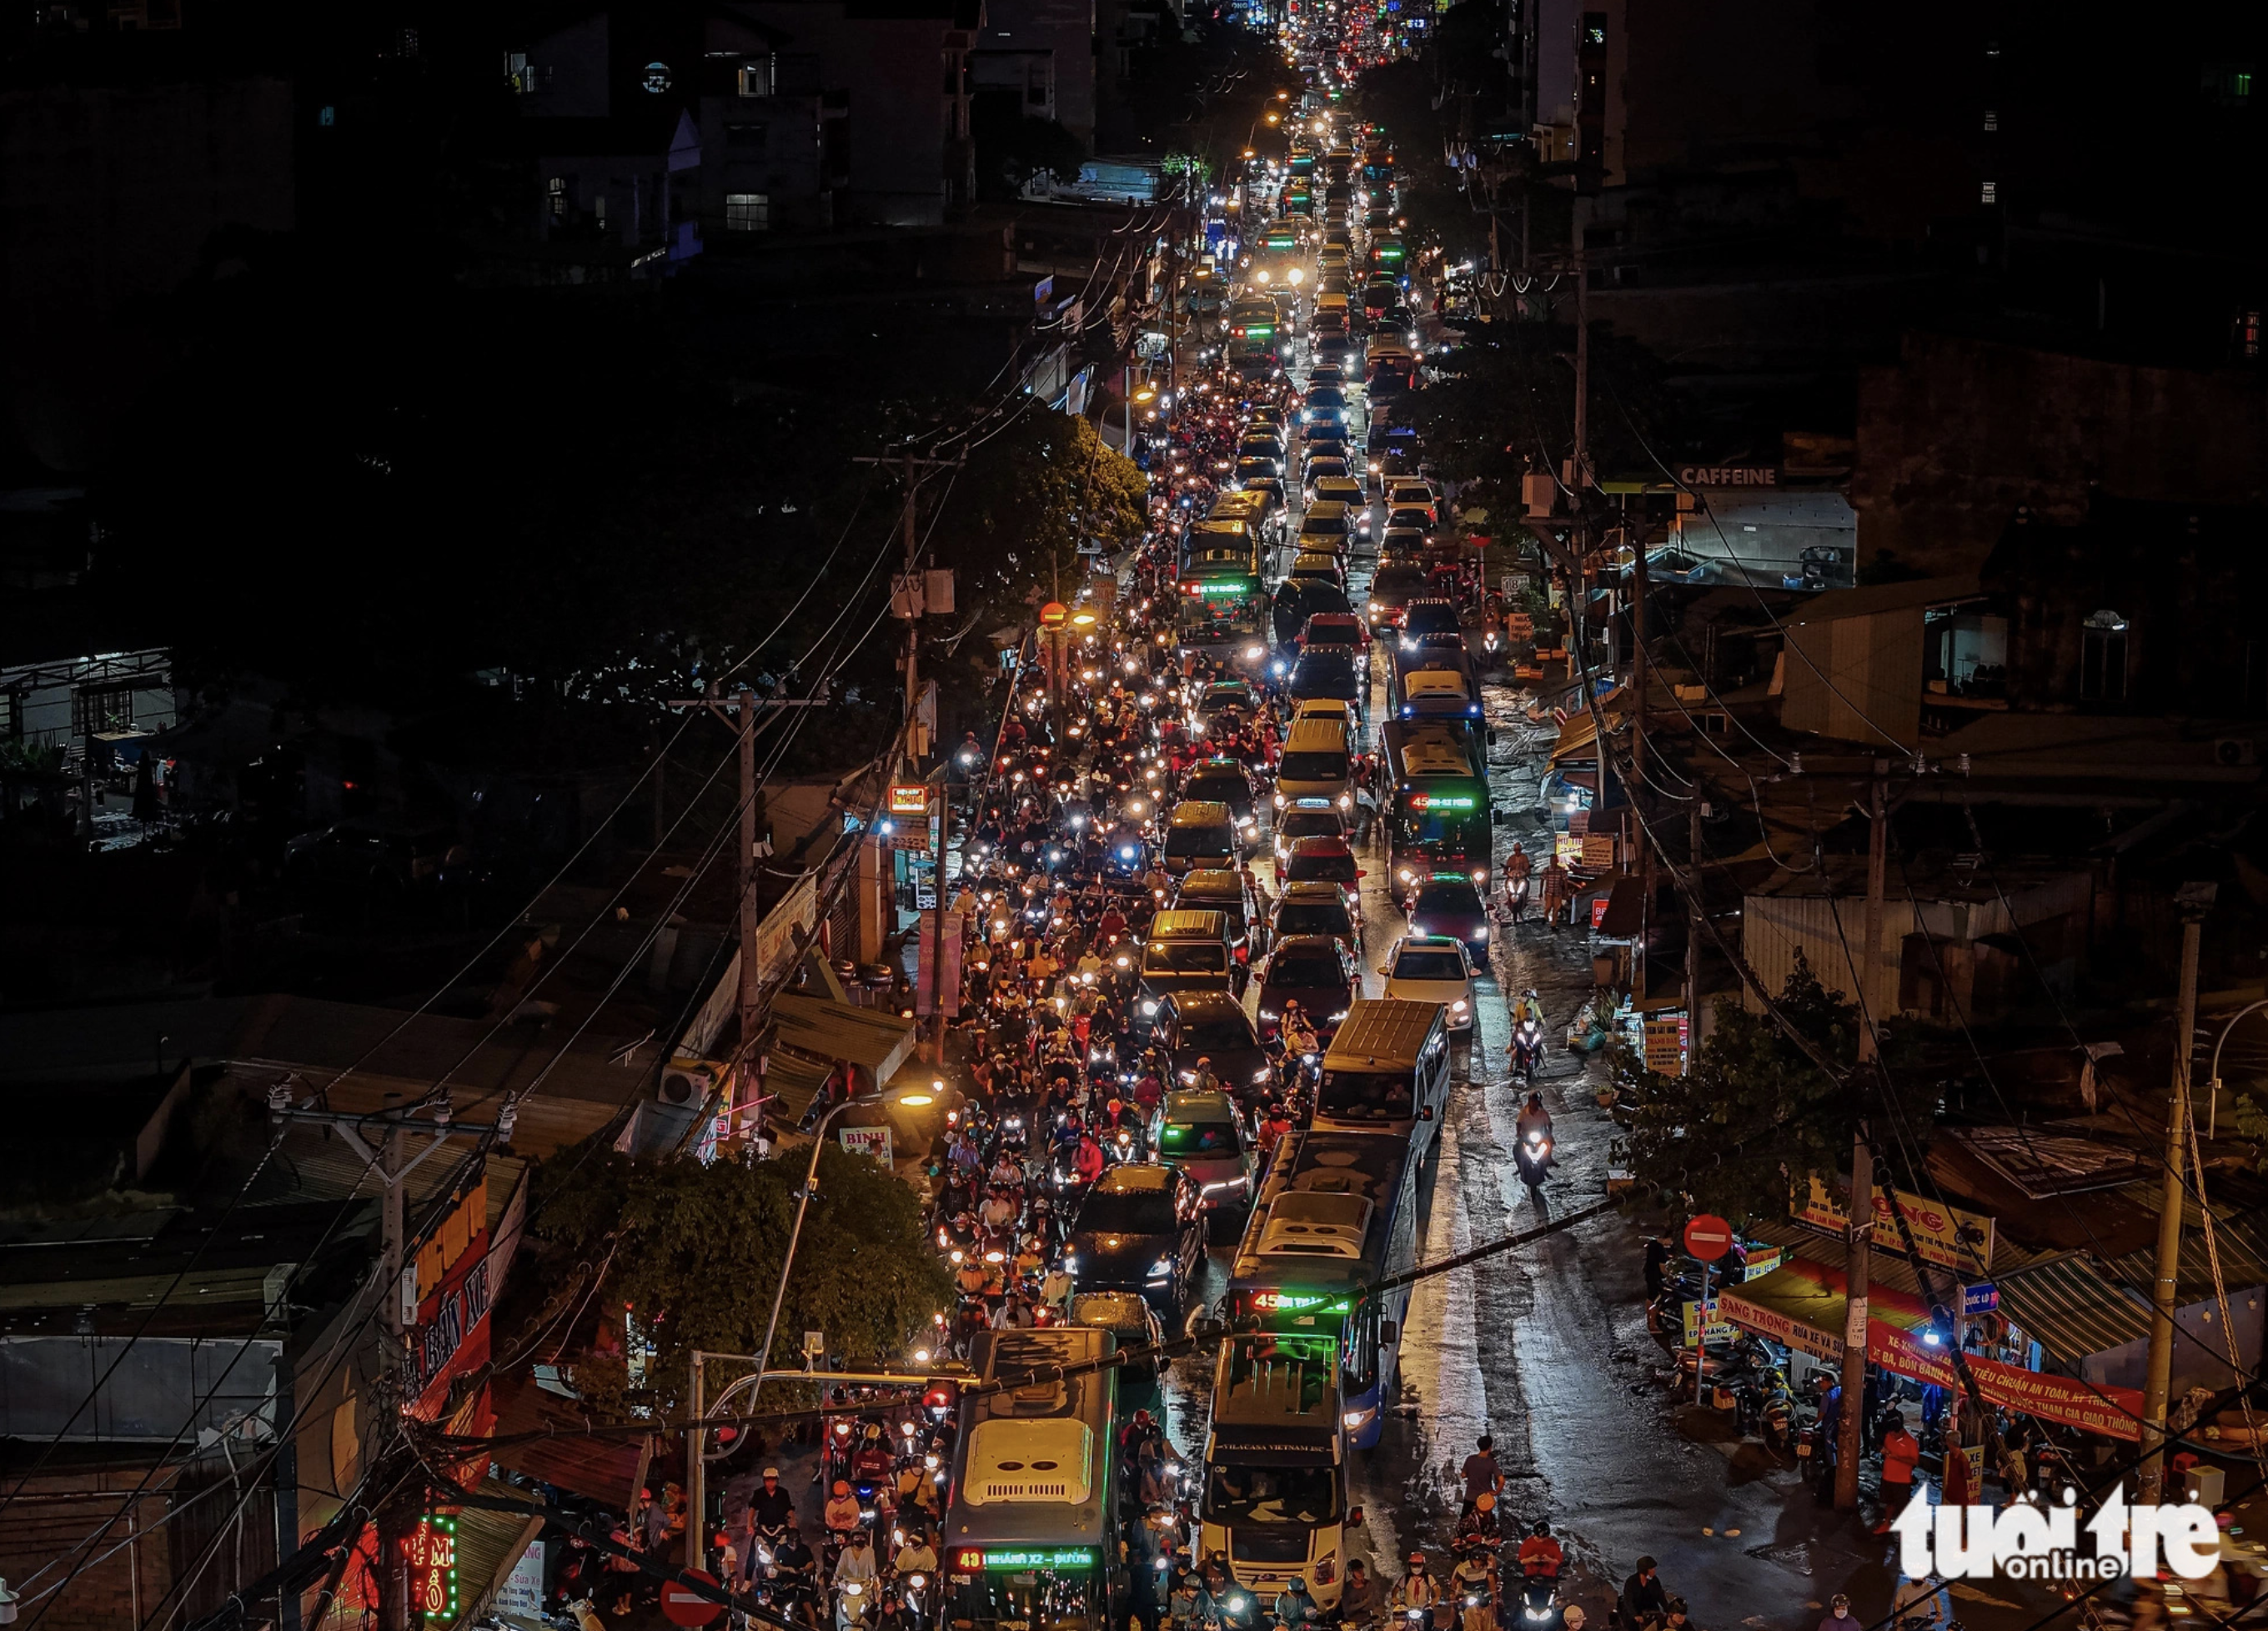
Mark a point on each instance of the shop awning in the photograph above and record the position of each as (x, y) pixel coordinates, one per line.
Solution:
(606, 1470)
(823, 1027)
(2071, 1308)
(2244, 1246)
(1804, 1306)
(1578, 734)
(792, 1081)
(1625, 916)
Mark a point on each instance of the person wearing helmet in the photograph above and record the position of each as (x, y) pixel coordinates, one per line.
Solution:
(773, 1508)
(1204, 1080)
(1299, 1033)
(1838, 1617)
(1472, 1587)
(841, 1513)
(1540, 1555)
(1416, 1588)
(1480, 1524)
(1294, 1609)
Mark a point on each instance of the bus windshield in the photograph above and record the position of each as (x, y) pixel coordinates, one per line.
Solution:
(1037, 1599)
(1441, 817)
(1365, 1096)
(1323, 766)
(1242, 1495)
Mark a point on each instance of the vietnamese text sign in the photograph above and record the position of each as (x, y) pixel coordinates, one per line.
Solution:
(874, 1141)
(1943, 1234)
(1599, 852)
(909, 798)
(1981, 1299)
(1719, 1327)
(1666, 1041)
(522, 1590)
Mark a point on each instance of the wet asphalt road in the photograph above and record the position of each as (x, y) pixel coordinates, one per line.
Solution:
(1546, 1347)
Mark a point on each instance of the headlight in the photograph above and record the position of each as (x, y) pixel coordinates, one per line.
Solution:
(1459, 1005)
(1149, 1009)
(1262, 1075)
(1163, 1265)
(1346, 801)
(1278, 801)
(1268, 1014)
(1480, 934)
(1337, 1017)
(1071, 1263)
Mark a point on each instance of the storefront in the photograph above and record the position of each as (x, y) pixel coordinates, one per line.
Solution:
(1802, 1305)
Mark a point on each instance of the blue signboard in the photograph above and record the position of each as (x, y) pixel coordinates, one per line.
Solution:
(1979, 1299)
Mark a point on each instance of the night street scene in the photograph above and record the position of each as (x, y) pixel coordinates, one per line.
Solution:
(1135, 815)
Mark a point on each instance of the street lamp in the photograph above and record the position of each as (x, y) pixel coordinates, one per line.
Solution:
(2212, 1072)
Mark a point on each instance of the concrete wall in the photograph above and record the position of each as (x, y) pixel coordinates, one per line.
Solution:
(1962, 431)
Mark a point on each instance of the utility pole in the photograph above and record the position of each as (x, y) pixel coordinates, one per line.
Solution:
(1849, 1439)
(1693, 813)
(385, 1151)
(2193, 901)
(696, 1474)
(1643, 853)
(741, 711)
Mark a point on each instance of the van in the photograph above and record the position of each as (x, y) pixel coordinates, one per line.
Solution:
(1186, 951)
(1331, 305)
(1200, 833)
(1319, 567)
(1387, 1070)
(1317, 761)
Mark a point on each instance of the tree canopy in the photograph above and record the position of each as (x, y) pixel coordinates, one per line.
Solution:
(1753, 1117)
(693, 1251)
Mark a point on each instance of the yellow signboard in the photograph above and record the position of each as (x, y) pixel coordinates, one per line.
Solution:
(908, 798)
(1943, 1234)
(1719, 1328)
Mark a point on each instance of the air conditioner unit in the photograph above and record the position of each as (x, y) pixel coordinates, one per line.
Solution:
(2233, 751)
(690, 1081)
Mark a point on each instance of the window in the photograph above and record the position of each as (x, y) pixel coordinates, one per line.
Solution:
(11, 716)
(554, 191)
(1991, 119)
(747, 212)
(101, 708)
(2102, 658)
(748, 139)
(1990, 194)
(1594, 29)
(756, 77)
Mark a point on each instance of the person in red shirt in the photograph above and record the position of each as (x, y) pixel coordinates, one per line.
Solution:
(1540, 1555)
(1901, 1457)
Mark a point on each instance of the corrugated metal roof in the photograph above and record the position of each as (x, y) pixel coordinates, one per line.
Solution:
(2243, 1260)
(826, 1028)
(2071, 1308)
(605, 1470)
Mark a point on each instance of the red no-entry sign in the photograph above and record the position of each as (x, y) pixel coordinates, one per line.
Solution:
(687, 1608)
(1708, 1237)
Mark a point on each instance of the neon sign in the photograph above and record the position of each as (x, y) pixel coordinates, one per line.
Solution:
(431, 1548)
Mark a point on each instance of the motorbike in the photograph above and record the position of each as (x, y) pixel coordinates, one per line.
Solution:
(854, 1602)
(1527, 1048)
(1534, 1158)
(1539, 1599)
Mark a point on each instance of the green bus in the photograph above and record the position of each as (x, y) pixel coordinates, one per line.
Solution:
(1437, 797)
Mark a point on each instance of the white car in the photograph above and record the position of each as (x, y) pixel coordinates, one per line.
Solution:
(1432, 968)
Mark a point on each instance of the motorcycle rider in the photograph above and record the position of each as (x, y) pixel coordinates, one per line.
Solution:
(1540, 1557)
(855, 1565)
(1533, 1117)
(840, 1513)
(1416, 1589)
(774, 1508)
(1472, 1583)
(1518, 868)
(1088, 1162)
(1479, 1523)
(1294, 1609)
(873, 1462)
(1357, 1597)
(1299, 1038)
(1203, 1080)
(794, 1571)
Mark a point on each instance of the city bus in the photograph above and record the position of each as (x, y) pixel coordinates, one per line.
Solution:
(1386, 1073)
(1336, 1214)
(1220, 545)
(1252, 337)
(1432, 681)
(1224, 615)
(1436, 799)
(1031, 1529)
(1275, 1500)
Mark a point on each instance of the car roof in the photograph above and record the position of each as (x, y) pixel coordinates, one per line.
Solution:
(1204, 1004)
(1212, 881)
(1321, 844)
(1429, 943)
(1312, 889)
(1135, 1180)
(1111, 1311)
(1199, 1105)
(1307, 943)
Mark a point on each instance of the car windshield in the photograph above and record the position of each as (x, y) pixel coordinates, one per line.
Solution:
(1323, 869)
(1427, 618)
(1198, 1138)
(1365, 1096)
(1305, 968)
(1145, 1211)
(1218, 1033)
(1184, 956)
(1455, 898)
(1318, 767)
(1324, 527)
(1303, 917)
(1429, 965)
(1278, 1497)
(1322, 668)
(1217, 787)
(1326, 396)
(1311, 824)
(1184, 842)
